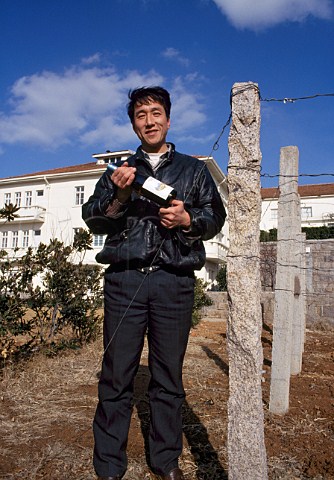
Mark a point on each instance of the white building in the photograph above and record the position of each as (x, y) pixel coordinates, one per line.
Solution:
(50, 207)
(316, 201)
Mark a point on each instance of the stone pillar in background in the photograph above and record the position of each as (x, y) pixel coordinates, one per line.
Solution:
(299, 306)
(246, 448)
(286, 279)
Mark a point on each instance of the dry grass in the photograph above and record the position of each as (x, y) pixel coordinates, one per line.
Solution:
(47, 407)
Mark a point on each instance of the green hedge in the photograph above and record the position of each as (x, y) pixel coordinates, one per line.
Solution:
(270, 236)
(318, 232)
(312, 233)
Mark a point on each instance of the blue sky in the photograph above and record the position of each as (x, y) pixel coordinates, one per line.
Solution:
(66, 68)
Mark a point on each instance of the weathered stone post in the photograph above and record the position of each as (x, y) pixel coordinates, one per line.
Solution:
(286, 279)
(246, 449)
(299, 306)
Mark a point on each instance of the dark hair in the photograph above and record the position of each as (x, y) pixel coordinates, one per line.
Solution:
(144, 95)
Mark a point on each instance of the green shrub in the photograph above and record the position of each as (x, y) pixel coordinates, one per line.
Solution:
(312, 233)
(201, 299)
(320, 233)
(47, 294)
(222, 278)
(270, 236)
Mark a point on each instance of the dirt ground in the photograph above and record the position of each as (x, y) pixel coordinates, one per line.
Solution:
(47, 406)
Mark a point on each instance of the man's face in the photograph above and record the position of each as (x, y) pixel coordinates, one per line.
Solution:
(151, 125)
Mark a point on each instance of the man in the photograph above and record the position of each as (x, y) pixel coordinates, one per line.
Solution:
(152, 253)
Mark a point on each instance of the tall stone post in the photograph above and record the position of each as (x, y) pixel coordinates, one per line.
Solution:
(287, 279)
(246, 448)
(299, 306)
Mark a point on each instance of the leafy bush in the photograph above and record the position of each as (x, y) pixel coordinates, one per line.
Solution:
(312, 233)
(320, 233)
(9, 212)
(222, 278)
(46, 292)
(201, 299)
(270, 236)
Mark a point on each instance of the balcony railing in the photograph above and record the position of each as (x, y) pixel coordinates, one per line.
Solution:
(215, 251)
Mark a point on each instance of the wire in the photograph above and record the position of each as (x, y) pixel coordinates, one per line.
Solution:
(284, 100)
(216, 144)
(267, 175)
(292, 100)
(271, 261)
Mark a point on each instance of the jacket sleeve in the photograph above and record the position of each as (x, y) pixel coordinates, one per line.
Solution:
(94, 210)
(206, 211)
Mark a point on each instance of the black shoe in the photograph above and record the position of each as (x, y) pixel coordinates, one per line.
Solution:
(175, 474)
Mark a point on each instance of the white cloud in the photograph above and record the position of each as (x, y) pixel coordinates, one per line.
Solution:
(49, 109)
(188, 108)
(173, 54)
(91, 59)
(257, 14)
(86, 105)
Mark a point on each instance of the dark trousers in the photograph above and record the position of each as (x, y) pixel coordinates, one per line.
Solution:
(160, 304)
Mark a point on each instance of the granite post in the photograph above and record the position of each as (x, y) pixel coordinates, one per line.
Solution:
(299, 307)
(246, 448)
(287, 279)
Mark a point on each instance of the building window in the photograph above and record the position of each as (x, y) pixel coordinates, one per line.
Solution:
(113, 160)
(37, 233)
(40, 193)
(25, 239)
(98, 240)
(4, 240)
(306, 212)
(15, 239)
(274, 214)
(8, 198)
(28, 199)
(79, 195)
(18, 199)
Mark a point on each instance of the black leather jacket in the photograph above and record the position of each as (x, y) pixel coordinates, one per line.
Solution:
(136, 237)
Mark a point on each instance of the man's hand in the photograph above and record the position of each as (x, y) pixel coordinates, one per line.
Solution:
(123, 178)
(175, 215)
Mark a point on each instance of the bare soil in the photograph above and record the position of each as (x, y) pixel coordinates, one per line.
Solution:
(47, 407)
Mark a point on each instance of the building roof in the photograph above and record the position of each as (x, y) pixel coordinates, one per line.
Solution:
(55, 171)
(84, 167)
(315, 190)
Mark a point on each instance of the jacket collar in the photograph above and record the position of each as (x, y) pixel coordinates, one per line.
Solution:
(140, 155)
